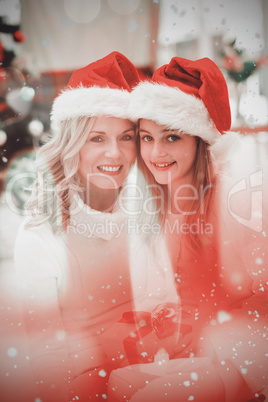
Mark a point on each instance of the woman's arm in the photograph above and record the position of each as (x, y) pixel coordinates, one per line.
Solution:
(238, 333)
(38, 275)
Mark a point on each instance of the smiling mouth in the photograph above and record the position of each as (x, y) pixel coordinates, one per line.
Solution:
(163, 166)
(110, 169)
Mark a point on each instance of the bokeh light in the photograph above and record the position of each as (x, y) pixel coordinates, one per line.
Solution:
(27, 93)
(82, 11)
(11, 78)
(15, 100)
(36, 127)
(3, 138)
(124, 7)
(12, 352)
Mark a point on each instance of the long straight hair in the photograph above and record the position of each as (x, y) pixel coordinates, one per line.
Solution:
(203, 180)
(57, 164)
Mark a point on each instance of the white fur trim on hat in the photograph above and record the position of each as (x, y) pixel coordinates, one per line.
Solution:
(222, 150)
(92, 101)
(173, 108)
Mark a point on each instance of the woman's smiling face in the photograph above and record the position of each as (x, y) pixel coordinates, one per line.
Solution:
(168, 154)
(109, 153)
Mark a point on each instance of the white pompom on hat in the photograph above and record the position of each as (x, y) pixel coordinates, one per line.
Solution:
(101, 88)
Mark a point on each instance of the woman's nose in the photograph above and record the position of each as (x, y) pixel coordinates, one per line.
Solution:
(158, 150)
(113, 150)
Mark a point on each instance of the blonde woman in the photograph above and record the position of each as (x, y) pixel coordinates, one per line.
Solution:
(71, 254)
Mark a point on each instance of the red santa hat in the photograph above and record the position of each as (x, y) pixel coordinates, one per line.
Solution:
(185, 95)
(101, 88)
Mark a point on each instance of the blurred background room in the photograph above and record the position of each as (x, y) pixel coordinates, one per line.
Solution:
(43, 41)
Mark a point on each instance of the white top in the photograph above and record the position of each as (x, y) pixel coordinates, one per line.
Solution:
(88, 277)
(80, 276)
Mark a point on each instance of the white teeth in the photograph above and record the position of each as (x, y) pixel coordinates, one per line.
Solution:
(109, 168)
(163, 164)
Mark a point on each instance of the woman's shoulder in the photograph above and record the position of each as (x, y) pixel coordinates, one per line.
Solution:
(38, 250)
(34, 234)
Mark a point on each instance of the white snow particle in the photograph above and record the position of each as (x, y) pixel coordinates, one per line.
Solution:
(194, 376)
(60, 335)
(12, 352)
(223, 316)
(259, 261)
(186, 383)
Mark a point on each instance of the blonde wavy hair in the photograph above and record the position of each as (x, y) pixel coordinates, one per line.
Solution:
(57, 164)
(204, 177)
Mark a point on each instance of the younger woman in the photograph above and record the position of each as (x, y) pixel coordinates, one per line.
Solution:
(184, 116)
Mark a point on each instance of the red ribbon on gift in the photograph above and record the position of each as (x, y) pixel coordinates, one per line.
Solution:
(143, 320)
(163, 320)
(166, 319)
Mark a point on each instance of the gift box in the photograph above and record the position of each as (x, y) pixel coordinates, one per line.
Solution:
(138, 335)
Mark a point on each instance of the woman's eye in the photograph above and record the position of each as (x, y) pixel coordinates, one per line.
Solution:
(147, 138)
(173, 138)
(127, 137)
(96, 139)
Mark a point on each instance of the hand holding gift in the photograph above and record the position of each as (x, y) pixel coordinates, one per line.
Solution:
(138, 335)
